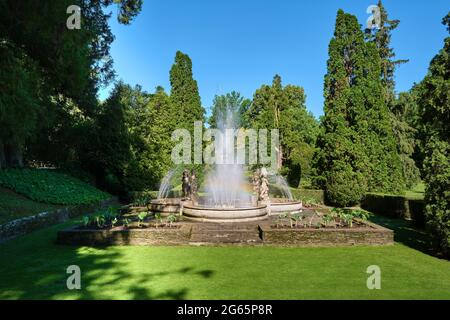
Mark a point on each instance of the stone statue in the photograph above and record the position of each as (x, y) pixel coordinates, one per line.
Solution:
(263, 195)
(185, 185)
(256, 181)
(193, 185)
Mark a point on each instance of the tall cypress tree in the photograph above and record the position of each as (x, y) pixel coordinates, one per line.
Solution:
(382, 39)
(184, 95)
(434, 108)
(403, 131)
(356, 147)
(340, 160)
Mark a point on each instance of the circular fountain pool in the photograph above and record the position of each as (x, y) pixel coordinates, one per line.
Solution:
(211, 214)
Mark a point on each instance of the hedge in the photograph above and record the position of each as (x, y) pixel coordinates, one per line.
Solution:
(395, 206)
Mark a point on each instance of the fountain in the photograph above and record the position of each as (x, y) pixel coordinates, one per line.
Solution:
(228, 196)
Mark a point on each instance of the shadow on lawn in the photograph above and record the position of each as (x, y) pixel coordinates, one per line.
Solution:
(406, 233)
(39, 272)
(137, 285)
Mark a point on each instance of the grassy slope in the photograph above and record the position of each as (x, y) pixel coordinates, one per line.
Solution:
(14, 206)
(50, 186)
(34, 267)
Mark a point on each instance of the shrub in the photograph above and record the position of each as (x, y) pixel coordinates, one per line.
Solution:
(345, 187)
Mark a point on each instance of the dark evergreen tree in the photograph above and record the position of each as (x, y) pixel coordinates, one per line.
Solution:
(356, 147)
(434, 107)
(184, 95)
(68, 66)
(403, 132)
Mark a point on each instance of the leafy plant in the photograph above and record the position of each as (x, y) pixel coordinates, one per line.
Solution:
(327, 218)
(100, 220)
(295, 218)
(142, 201)
(86, 221)
(141, 217)
(126, 222)
(159, 217)
(171, 219)
(114, 222)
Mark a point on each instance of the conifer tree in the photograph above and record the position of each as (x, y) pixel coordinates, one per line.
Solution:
(403, 131)
(357, 148)
(434, 109)
(184, 95)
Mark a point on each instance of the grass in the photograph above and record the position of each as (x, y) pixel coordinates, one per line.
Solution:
(418, 192)
(33, 267)
(50, 186)
(14, 206)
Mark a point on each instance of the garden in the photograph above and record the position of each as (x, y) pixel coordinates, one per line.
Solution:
(185, 192)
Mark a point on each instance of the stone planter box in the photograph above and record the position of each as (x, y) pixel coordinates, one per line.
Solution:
(119, 236)
(371, 234)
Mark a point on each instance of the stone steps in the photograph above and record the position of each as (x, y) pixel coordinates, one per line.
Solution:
(228, 233)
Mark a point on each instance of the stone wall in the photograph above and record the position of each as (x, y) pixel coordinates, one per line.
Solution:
(26, 225)
(371, 235)
(146, 236)
(220, 234)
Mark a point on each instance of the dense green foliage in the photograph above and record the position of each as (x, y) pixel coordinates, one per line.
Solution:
(401, 112)
(51, 76)
(233, 102)
(357, 150)
(283, 108)
(50, 186)
(434, 104)
(184, 95)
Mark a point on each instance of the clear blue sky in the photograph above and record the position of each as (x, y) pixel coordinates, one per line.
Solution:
(241, 44)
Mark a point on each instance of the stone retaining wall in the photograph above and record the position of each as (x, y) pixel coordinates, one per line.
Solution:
(219, 234)
(147, 236)
(26, 225)
(372, 235)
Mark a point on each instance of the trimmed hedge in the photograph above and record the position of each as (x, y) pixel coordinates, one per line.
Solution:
(317, 196)
(395, 206)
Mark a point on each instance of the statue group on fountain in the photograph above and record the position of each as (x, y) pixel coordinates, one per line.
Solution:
(261, 185)
(189, 185)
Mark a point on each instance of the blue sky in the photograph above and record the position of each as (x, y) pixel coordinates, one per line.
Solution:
(241, 44)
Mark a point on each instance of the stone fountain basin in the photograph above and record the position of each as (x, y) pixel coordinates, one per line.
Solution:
(285, 206)
(209, 214)
(166, 206)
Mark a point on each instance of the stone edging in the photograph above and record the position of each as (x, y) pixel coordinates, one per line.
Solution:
(18, 227)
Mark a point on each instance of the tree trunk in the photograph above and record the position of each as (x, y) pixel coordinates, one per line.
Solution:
(14, 156)
(280, 158)
(2, 156)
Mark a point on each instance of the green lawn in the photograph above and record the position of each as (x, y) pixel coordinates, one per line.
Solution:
(418, 192)
(14, 206)
(33, 267)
